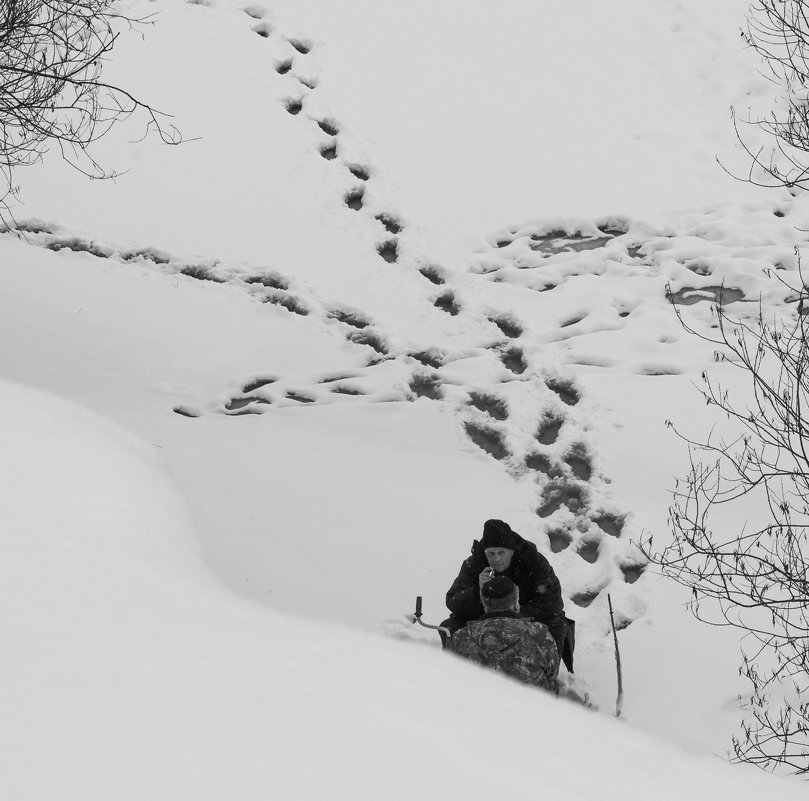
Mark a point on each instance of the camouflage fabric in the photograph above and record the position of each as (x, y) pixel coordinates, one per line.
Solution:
(512, 644)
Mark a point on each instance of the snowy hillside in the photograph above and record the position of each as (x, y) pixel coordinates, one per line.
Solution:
(414, 271)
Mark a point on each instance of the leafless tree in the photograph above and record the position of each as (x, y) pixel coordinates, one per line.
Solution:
(52, 53)
(755, 579)
(778, 30)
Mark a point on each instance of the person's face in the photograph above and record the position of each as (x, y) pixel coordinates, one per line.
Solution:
(499, 558)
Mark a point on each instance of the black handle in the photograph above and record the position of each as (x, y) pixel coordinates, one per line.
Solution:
(418, 606)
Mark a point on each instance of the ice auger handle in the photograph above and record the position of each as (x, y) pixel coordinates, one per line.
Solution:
(417, 619)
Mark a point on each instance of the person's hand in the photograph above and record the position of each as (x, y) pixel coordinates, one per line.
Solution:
(485, 575)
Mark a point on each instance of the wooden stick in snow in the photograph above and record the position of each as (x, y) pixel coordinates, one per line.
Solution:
(619, 701)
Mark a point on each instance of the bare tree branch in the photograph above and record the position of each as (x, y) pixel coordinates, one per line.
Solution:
(778, 31)
(52, 54)
(757, 579)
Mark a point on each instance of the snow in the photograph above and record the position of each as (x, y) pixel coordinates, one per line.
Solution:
(135, 674)
(238, 441)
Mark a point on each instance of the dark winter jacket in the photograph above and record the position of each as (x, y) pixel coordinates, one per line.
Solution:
(540, 591)
(512, 644)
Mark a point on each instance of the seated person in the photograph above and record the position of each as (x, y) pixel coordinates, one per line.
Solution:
(503, 640)
(503, 552)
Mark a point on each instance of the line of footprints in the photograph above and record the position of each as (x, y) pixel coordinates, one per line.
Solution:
(566, 493)
(272, 286)
(571, 498)
(292, 64)
(355, 197)
(570, 490)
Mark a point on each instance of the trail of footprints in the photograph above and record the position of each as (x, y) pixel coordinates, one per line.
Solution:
(570, 492)
(268, 286)
(569, 495)
(291, 63)
(542, 257)
(569, 489)
(568, 501)
(569, 498)
(330, 148)
(544, 445)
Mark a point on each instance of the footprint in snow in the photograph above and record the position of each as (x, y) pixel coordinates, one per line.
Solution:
(349, 317)
(489, 404)
(392, 225)
(288, 301)
(358, 171)
(271, 280)
(508, 325)
(559, 539)
(263, 29)
(300, 397)
(566, 391)
(301, 45)
(513, 359)
(294, 105)
(346, 389)
(186, 411)
(579, 462)
(328, 127)
(246, 404)
(610, 524)
(255, 11)
(447, 303)
(487, 438)
(258, 383)
(355, 199)
(632, 571)
(433, 274)
(389, 251)
(585, 597)
(561, 492)
(433, 357)
(426, 385)
(549, 428)
(329, 151)
(371, 339)
(588, 550)
(541, 463)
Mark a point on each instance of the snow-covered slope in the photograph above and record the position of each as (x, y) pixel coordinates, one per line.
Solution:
(131, 673)
(413, 275)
